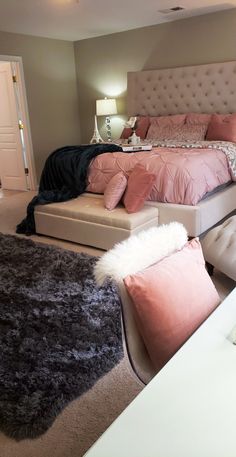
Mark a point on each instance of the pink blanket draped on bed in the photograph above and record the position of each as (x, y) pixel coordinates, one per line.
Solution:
(183, 176)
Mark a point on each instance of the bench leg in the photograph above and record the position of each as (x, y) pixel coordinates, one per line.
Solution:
(210, 268)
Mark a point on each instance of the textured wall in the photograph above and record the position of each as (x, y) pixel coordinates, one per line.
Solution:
(50, 77)
(102, 63)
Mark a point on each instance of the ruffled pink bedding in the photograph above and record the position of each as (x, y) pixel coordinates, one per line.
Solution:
(183, 175)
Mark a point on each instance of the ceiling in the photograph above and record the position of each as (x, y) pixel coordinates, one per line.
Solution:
(79, 19)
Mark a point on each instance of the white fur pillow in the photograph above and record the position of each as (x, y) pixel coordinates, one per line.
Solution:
(140, 251)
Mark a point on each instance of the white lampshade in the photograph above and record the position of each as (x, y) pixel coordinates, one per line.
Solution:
(106, 107)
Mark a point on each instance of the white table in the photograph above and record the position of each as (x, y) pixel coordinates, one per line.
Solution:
(189, 408)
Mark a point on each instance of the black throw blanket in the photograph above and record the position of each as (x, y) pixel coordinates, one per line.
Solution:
(64, 177)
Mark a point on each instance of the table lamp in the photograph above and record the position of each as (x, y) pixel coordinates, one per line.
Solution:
(106, 107)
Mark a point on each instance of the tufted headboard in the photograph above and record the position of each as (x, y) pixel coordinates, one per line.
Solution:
(209, 88)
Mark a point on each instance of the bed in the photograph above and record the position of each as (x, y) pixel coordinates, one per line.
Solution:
(210, 195)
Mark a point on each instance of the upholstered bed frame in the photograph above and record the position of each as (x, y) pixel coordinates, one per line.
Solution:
(202, 88)
(206, 88)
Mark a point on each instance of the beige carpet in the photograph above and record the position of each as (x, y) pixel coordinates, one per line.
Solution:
(85, 419)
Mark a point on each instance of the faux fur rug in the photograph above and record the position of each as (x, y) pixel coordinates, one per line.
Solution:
(59, 333)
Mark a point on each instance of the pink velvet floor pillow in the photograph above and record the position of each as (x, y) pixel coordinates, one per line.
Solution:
(171, 299)
(115, 190)
(138, 189)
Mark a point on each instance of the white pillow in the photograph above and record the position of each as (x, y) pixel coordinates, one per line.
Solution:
(140, 251)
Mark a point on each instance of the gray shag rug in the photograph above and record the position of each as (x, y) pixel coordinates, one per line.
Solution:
(59, 333)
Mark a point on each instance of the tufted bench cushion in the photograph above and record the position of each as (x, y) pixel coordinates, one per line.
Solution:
(85, 220)
(219, 247)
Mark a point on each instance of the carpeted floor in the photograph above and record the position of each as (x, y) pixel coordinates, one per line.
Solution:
(86, 418)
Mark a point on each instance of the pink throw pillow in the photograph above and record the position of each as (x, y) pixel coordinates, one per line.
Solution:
(172, 119)
(222, 128)
(160, 126)
(142, 128)
(198, 118)
(138, 189)
(185, 132)
(115, 190)
(160, 123)
(171, 299)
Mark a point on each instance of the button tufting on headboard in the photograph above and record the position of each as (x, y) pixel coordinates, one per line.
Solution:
(201, 88)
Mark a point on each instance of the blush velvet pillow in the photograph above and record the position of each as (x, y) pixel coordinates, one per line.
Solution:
(171, 299)
(222, 128)
(142, 128)
(138, 189)
(115, 190)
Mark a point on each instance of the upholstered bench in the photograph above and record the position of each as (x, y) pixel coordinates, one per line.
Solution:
(219, 247)
(85, 220)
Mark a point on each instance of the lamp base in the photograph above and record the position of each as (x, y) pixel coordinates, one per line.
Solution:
(108, 127)
(96, 138)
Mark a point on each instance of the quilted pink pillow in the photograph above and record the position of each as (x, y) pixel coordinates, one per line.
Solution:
(143, 124)
(138, 189)
(115, 190)
(222, 128)
(171, 299)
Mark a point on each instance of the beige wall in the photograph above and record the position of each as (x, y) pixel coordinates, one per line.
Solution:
(50, 78)
(102, 63)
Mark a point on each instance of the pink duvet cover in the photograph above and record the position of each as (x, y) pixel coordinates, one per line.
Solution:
(183, 176)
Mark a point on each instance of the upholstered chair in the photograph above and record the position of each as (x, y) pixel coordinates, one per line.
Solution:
(158, 247)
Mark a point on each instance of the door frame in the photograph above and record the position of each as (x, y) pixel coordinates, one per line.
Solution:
(32, 177)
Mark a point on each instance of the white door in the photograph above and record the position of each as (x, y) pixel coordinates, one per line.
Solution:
(12, 168)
